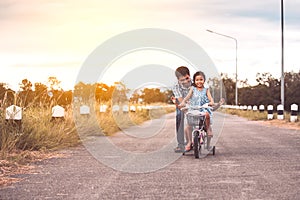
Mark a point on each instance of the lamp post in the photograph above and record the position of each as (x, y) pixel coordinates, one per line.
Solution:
(282, 56)
(236, 47)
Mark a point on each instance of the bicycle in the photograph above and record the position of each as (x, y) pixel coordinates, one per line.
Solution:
(196, 119)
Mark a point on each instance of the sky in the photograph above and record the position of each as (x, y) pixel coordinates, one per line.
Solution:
(47, 38)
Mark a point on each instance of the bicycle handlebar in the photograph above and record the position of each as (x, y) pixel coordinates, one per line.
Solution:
(196, 107)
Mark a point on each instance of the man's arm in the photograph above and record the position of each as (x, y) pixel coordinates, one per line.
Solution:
(185, 99)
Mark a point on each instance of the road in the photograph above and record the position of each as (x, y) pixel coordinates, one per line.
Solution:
(252, 161)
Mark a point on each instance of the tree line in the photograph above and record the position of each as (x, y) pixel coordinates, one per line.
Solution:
(51, 93)
(265, 92)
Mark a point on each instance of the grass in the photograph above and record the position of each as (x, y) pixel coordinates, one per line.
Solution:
(38, 137)
(37, 132)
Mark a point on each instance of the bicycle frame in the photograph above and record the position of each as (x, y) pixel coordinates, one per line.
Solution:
(199, 134)
(200, 129)
(196, 120)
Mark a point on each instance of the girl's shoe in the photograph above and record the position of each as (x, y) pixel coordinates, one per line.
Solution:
(201, 140)
(188, 148)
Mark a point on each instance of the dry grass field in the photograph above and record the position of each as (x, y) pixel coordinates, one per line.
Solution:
(39, 137)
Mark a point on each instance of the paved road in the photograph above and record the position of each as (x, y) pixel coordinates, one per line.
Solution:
(252, 161)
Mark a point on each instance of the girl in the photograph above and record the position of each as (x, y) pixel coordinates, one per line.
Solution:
(198, 96)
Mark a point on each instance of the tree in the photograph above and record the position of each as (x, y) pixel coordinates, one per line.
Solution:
(292, 91)
(54, 83)
(63, 98)
(229, 85)
(135, 97)
(267, 91)
(120, 92)
(26, 95)
(103, 92)
(25, 85)
(84, 92)
(215, 88)
(41, 97)
(153, 95)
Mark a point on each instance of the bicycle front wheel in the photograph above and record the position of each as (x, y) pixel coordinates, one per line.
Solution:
(197, 145)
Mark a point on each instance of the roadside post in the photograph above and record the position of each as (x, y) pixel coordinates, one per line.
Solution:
(294, 112)
(58, 113)
(254, 108)
(261, 108)
(84, 110)
(270, 112)
(280, 112)
(13, 115)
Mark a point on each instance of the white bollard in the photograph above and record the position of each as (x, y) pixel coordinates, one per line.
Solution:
(84, 110)
(103, 108)
(294, 112)
(115, 108)
(13, 115)
(125, 109)
(13, 112)
(254, 108)
(139, 108)
(280, 112)
(249, 107)
(132, 108)
(270, 111)
(261, 108)
(58, 113)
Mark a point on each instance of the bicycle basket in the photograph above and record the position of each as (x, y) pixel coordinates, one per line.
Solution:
(195, 120)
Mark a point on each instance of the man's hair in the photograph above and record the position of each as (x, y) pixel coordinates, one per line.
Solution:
(182, 71)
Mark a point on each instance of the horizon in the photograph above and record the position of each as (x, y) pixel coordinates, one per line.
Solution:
(114, 84)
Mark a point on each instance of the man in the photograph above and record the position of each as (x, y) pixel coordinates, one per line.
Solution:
(180, 90)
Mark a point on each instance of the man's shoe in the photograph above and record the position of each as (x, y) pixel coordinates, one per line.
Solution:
(179, 150)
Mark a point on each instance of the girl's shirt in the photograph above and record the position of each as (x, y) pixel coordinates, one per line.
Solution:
(199, 98)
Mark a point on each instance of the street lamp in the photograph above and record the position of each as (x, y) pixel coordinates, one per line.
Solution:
(282, 55)
(236, 47)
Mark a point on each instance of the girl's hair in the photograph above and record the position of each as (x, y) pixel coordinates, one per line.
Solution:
(198, 73)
